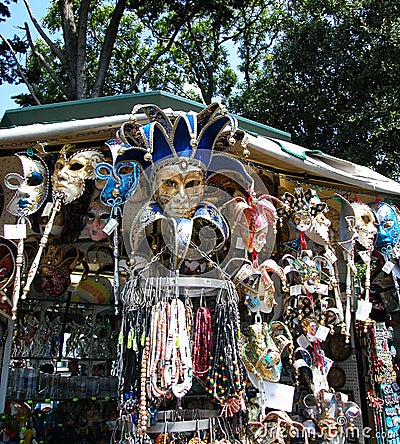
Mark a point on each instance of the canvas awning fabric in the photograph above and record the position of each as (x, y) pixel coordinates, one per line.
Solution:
(289, 158)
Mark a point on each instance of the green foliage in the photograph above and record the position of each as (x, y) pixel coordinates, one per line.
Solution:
(332, 80)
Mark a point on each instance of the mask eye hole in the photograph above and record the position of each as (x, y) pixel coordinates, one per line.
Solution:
(171, 183)
(193, 183)
(90, 216)
(366, 219)
(388, 224)
(75, 166)
(35, 179)
(126, 169)
(104, 217)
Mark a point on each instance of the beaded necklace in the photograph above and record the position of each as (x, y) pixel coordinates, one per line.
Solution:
(181, 355)
(226, 371)
(202, 342)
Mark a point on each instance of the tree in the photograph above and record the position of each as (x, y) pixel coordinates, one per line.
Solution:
(332, 80)
(89, 49)
(8, 66)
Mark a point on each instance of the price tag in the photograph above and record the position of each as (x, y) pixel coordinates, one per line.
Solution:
(303, 341)
(365, 256)
(239, 243)
(388, 267)
(14, 231)
(322, 289)
(363, 310)
(295, 290)
(330, 255)
(320, 381)
(111, 225)
(322, 333)
(47, 209)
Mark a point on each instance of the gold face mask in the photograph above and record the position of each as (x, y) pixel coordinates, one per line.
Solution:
(178, 191)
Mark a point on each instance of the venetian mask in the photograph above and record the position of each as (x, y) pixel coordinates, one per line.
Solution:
(258, 223)
(31, 190)
(301, 208)
(388, 226)
(179, 188)
(70, 173)
(97, 217)
(329, 428)
(56, 267)
(122, 176)
(54, 281)
(301, 220)
(364, 225)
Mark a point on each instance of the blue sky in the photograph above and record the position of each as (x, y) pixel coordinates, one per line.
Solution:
(8, 29)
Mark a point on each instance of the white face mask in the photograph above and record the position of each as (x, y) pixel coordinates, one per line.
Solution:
(364, 225)
(70, 174)
(31, 190)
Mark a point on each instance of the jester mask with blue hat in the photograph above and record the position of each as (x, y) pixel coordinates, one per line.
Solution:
(176, 156)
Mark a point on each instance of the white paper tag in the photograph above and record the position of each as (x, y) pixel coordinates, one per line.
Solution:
(111, 225)
(278, 396)
(47, 209)
(330, 255)
(388, 267)
(303, 341)
(322, 289)
(363, 310)
(322, 333)
(239, 243)
(14, 231)
(365, 256)
(295, 290)
(320, 381)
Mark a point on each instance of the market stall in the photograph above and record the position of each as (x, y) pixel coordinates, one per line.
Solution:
(181, 274)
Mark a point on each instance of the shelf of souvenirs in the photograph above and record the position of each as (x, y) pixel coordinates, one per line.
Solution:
(26, 384)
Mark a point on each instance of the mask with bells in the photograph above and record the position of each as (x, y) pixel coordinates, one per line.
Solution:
(388, 234)
(176, 156)
(32, 189)
(97, 217)
(70, 173)
(301, 208)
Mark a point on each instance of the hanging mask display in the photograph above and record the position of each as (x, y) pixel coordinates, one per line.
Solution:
(122, 179)
(56, 267)
(68, 182)
(121, 176)
(300, 208)
(70, 173)
(257, 222)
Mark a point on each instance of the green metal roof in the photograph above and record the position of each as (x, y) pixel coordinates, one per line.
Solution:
(116, 105)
